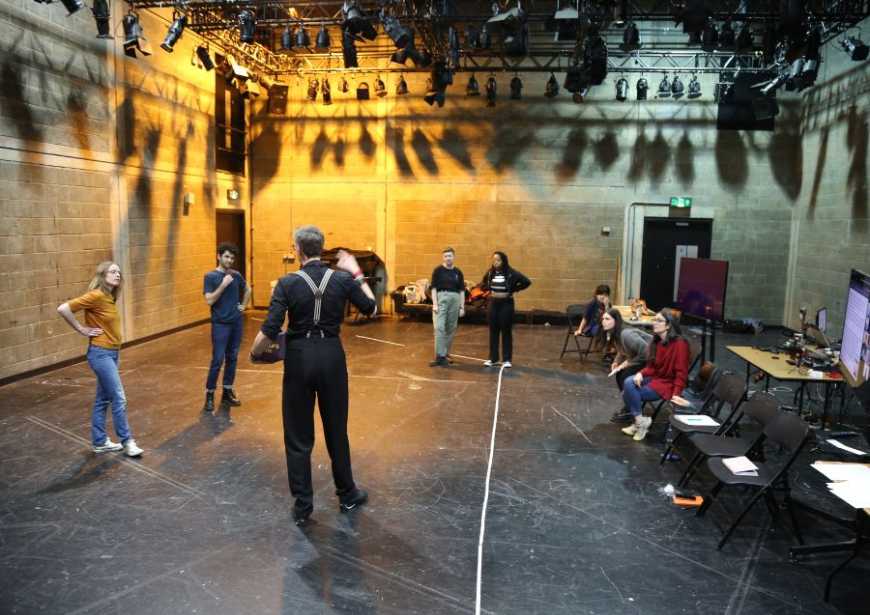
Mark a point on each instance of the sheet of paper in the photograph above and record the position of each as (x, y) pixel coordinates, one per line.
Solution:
(741, 465)
(843, 471)
(842, 446)
(854, 493)
(697, 420)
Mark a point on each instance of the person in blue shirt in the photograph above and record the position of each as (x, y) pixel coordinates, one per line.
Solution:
(595, 309)
(227, 293)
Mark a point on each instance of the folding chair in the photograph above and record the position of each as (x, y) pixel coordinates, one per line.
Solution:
(762, 408)
(574, 312)
(731, 390)
(792, 434)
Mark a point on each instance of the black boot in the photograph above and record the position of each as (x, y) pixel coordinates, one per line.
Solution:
(622, 416)
(229, 398)
(209, 402)
(355, 498)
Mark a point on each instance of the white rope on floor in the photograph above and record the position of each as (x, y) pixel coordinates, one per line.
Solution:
(486, 496)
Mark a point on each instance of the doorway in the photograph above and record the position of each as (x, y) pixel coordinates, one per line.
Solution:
(665, 242)
(230, 227)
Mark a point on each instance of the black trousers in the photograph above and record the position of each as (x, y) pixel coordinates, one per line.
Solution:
(315, 368)
(501, 322)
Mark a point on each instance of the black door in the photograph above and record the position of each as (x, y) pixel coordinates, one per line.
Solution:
(664, 240)
(230, 227)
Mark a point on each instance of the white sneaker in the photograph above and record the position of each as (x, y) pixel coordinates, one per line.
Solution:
(507, 364)
(631, 429)
(643, 427)
(488, 363)
(107, 446)
(131, 449)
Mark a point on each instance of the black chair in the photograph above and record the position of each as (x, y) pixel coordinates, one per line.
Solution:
(792, 434)
(762, 408)
(730, 390)
(574, 312)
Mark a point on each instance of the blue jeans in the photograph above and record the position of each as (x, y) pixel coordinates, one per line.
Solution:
(634, 395)
(225, 341)
(105, 362)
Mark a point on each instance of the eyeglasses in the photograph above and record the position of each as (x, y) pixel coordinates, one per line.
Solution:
(659, 319)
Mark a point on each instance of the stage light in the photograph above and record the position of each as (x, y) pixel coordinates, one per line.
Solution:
(72, 6)
(322, 41)
(664, 87)
(453, 46)
(694, 87)
(247, 25)
(727, 38)
(437, 85)
(855, 47)
(348, 50)
(472, 37)
(564, 23)
(343, 86)
(631, 38)
(516, 86)
(621, 12)
(677, 87)
(174, 33)
(356, 22)
(302, 39)
(432, 95)
(642, 87)
(326, 92)
(744, 40)
(313, 86)
(551, 90)
(622, 89)
(793, 76)
(514, 29)
(287, 39)
(204, 57)
(402, 86)
(249, 89)
(401, 35)
(595, 59)
(101, 17)
(709, 36)
(380, 87)
(473, 88)
(774, 84)
(134, 37)
(491, 88)
(485, 37)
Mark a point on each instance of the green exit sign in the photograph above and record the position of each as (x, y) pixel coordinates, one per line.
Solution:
(682, 202)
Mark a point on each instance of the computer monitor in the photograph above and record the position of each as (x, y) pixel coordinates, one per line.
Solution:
(701, 288)
(855, 350)
(822, 319)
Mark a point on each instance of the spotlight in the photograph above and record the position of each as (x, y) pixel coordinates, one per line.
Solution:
(302, 38)
(401, 35)
(356, 22)
(514, 29)
(490, 91)
(744, 41)
(677, 87)
(174, 33)
(727, 38)
(72, 6)
(551, 90)
(473, 88)
(516, 88)
(250, 89)
(631, 38)
(472, 37)
(322, 41)
(247, 25)
(564, 23)
(362, 91)
(204, 57)
(348, 50)
(793, 76)
(436, 91)
(432, 95)
(485, 37)
(326, 92)
(101, 17)
(774, 84)
(453, 44)
(343, 86)
(622, 89)
(642, 88)
(287, 39)
(664, 87)
(313, 86)
(621, 12)
(134, 37)
(595, 59)
(402, 86)
(380, 87)
(576, 78)
(709, 36)
(855, 47)
(694, 87)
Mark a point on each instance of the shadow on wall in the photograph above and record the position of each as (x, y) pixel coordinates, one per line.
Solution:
(658, 157)
(785, 154)
(318, 150)
(455, 146)
(731, 159)
(266, 150)
(126, 114)
(13, 102)
(423, 148)
(572, 156)
(856, 142)
(821, 159)
(76, 107)
(396, 142)
(507, 144)
(684, 164)
(367, 144)
(606, 150)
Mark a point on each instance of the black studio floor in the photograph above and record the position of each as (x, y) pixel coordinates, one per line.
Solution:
(201, 524)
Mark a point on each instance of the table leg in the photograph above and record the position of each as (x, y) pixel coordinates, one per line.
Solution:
(859, 540)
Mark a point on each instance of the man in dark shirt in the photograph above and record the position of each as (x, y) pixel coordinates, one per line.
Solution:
(314, 365)
(227, 293)
(448, 304)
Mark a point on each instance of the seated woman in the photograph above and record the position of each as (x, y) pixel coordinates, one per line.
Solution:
(665, 374)
(630, 345)
(591, 322)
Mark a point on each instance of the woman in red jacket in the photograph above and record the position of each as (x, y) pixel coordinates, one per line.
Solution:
(665, 374)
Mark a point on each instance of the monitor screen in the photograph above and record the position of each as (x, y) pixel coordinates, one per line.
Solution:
(701, 289)
(855, 352)
(822, 319)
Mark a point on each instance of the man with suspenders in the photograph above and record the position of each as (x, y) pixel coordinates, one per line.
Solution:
(314, 300)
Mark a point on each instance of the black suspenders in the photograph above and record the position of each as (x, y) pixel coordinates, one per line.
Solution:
(318, 296)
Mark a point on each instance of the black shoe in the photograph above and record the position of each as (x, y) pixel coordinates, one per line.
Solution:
(209, 402)
(229, 398)
(302, 515)
(355, 498)
(621, 416)
(439, 362)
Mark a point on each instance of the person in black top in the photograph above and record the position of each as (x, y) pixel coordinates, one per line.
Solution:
(448, 304)
(227, 293)
(502, 281)
(314, 300)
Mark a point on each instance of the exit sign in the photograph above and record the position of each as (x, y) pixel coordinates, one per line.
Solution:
(682, 202)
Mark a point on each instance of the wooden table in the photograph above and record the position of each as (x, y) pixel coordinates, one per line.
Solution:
(645, 321)
(775, 365)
